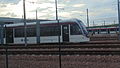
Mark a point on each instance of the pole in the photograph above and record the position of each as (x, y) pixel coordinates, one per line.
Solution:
(119, 18)
(114, 22)
(2, 34)
(115, 26)
(6, 51)
(56, 9)
(87, 19)
(93, 23)
(58, 34)
(25, 28)
(104, 23)
(37, 29)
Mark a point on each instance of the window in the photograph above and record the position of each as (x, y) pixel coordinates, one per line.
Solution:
(49, 30)
(19, 32)
(103, 29)
(75, 30)
(117, 29)
(44, 31)
(112, 29)
(31, 31)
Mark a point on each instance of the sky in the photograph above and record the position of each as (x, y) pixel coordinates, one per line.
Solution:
(99, 10)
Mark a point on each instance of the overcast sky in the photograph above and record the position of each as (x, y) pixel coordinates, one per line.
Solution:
(99, 10)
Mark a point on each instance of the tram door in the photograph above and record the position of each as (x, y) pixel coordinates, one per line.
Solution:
(65, 33)
(9, 35)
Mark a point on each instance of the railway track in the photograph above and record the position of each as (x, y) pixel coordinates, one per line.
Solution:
(82, 43)
(86, 52)
(62, 46)
(104, 44)
(91, 48)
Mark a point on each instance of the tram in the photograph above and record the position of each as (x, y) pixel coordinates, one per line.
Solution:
(70, 30)
(105, 30)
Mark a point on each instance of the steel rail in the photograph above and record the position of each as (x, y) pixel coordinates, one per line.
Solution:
(87, 52)
(82, 43)
(63, 46)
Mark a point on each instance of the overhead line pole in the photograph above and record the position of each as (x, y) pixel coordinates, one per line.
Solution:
(93, 23)
(58, 34)
(119, 17)
(104, 23)
(87, 19)
(6, 50)
(56, 9)
(37, 28)
(114, 22)
(25, 27)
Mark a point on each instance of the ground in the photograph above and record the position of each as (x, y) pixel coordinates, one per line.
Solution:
(75, 61)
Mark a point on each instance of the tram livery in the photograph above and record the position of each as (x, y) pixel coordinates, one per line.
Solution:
(72, 30)
(105, 30)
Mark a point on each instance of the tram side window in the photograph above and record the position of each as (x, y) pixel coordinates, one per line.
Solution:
(19, 32)
(75, 30)
(4, 34)
(103, 29)
(31, 31)
(49, 30)
(108, 31)
(98, 31)
(112, 29)
(117, 29)
(90, 31)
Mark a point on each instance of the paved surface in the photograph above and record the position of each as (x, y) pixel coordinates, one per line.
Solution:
(83, 61)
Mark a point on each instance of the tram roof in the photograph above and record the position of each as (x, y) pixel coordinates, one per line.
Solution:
(44, 22)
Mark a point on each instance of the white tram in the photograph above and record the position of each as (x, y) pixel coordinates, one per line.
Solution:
(72, 30)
